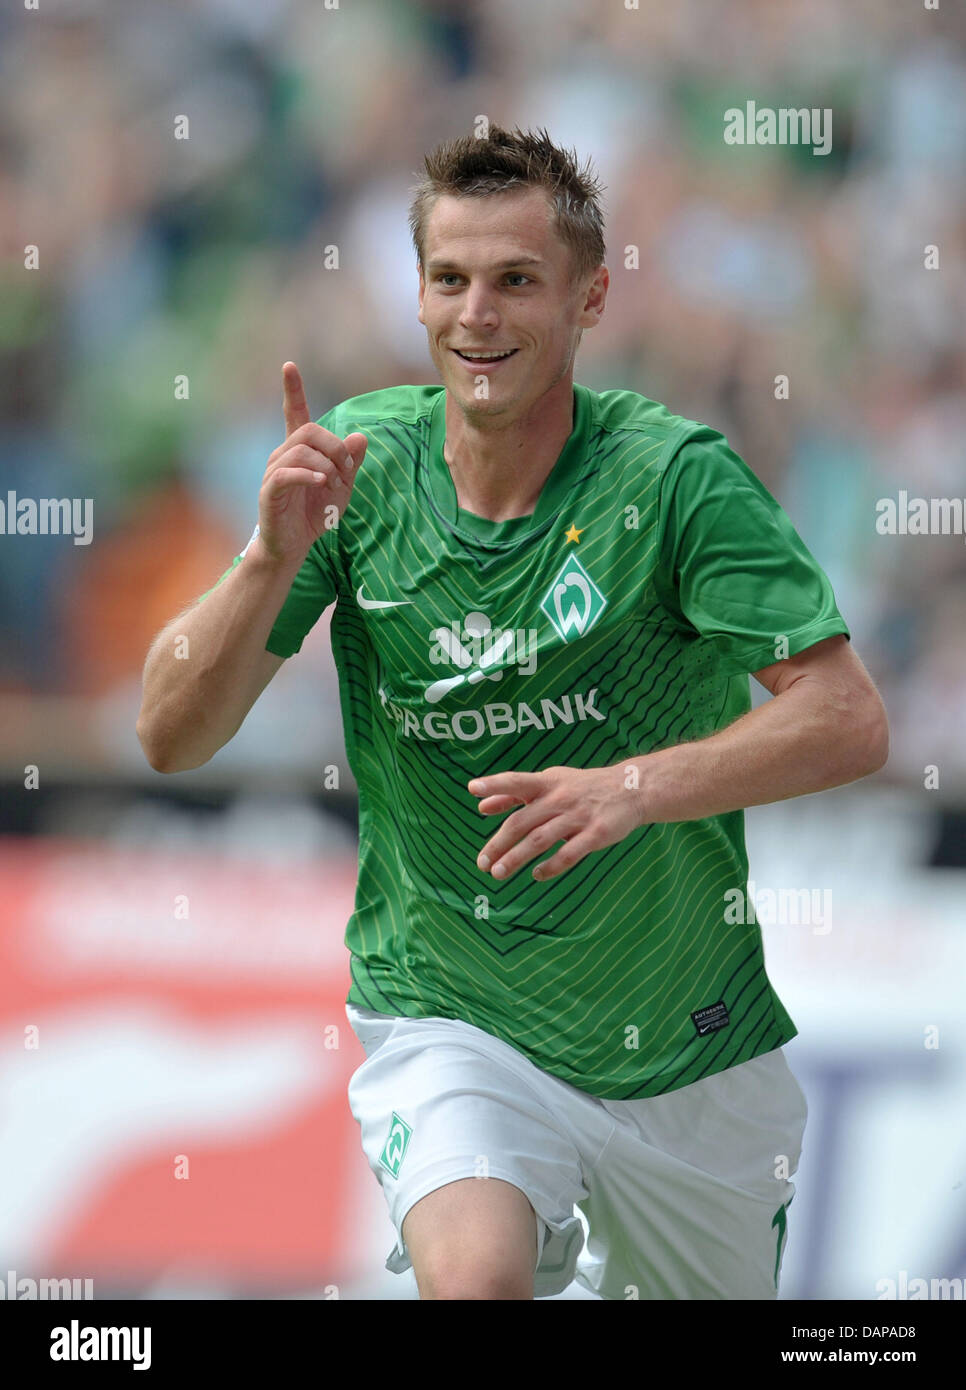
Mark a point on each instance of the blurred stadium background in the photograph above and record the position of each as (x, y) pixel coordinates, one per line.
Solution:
(177, 941)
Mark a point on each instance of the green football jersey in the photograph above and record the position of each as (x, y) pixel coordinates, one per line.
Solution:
(621, 617)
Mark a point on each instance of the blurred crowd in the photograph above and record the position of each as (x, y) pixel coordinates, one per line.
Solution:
(140, 361)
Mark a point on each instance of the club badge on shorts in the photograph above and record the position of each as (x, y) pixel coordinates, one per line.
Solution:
(394, 1149)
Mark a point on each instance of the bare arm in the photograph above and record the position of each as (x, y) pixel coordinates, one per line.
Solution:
(207, 668)
(826, 726)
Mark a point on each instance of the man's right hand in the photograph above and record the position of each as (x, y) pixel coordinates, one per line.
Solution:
(307, 477)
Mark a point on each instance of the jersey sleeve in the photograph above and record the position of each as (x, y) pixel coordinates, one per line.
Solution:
(313, 588)
(732, 567)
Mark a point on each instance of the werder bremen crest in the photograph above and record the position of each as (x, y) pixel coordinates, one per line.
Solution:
(397, 1142)
(573, 603)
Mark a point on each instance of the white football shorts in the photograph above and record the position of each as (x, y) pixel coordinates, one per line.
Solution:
(685, 1195)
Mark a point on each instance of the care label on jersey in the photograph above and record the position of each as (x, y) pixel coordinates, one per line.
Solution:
(713, 1017)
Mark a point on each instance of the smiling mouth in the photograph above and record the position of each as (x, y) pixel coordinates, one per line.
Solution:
(484, 359)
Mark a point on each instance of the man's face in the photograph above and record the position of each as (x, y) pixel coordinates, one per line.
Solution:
(498, 276)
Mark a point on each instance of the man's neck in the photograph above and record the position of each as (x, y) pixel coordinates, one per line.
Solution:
(498, 471)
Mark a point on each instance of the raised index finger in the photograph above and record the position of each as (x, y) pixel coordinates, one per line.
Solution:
(293, 399)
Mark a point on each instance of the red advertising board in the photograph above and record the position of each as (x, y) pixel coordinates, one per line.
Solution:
(174, 1070)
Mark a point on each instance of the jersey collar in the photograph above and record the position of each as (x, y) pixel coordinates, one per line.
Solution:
(559, 482)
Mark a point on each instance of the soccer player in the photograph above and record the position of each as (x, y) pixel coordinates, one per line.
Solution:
(548, 601)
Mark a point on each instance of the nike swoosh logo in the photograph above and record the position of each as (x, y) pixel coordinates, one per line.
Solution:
(379, 602)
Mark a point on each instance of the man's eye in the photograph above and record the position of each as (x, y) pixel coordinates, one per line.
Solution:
(450, 275)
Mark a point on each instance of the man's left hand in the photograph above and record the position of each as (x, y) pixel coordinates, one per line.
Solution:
(587, 808)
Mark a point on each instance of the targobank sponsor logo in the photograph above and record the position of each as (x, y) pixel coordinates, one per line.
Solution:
(494, 720)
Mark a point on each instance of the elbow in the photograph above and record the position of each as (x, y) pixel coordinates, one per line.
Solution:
(158, 758)
(172, 749)
(872, 736)
(880, 754)
(160, 754)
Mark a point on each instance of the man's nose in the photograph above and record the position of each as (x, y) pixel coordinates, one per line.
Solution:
(479, 307)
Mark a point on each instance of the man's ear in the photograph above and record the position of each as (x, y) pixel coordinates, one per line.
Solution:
(595, 297)
(422, 291)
